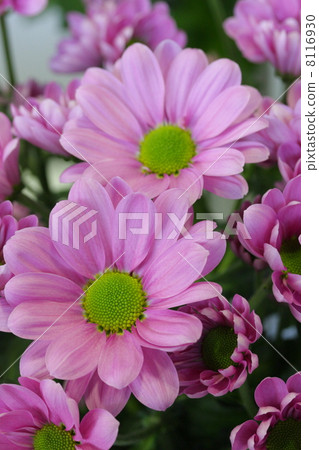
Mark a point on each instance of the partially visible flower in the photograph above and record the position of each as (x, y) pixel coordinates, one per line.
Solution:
(9, 158)
(284, 125)
(268, 30)
(30, 88)
(220, 360)
(274, 227)
(104, 303)
(24, 7)
(101, 35)
(237, 247)
(8, 227)
(167, 119)
(40, 120)
(39, 415)
(278, 422)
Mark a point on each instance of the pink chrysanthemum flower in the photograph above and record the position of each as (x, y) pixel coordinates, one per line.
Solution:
(167, 119)
(39, 415)
(219, 362)
(24, 7)
(8, 227)
(41, 119)
(9, 158)
(274, 229)
(277, 424)
(268, 30)
(105, 304)
(101, 35)
(284, 131)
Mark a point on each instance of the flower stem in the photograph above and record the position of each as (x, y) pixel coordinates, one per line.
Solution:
(6, 47)
(260, 293)
(246, 399)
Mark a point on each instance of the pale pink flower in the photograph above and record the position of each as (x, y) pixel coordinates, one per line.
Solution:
(106, 306)
(24, 7)
(220, 360)
(39, 415)
(268, 30)
(9, 159)
(277, 424)
(40, 120)
(8, 227)
(167, 119)
(100, 36)
(273, 227)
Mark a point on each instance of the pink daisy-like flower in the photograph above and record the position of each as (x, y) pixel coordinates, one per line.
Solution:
(218, 363)
(105, 304)
(277, 424)
(39, 415)
(283, 135)
(8, 227)
(274, 229)
(9, 158)
(167, 119)
(268, 30)
(24, 7)
(41, 119)
(101, 35)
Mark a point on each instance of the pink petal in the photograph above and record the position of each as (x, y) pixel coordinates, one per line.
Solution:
(157, 385)
(220, 162)
(32, 362)
(165, 53)
(56, 401)
(120, 360)
(99, 429)
(234, 186)
(270, 392)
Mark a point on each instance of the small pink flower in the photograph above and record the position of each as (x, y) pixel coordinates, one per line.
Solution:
(218, 363)
(106, 306)
(24, 7)
(9, 158)
(101, 35)
(39, 415)
(8, 227)
(268, 30)
(41, 119)
(274, 230)
(277, 423)
(167, 119)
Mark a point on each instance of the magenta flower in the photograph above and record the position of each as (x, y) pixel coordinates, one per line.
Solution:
(24, 7)
(9, 159)
(101, 35)
(105, 304)
(278, 419)
(167, 119)
(274, 230)
(39, 415)
(268, 30)
(218, 363)
(8, 227)
(284, 128)
(41, 119)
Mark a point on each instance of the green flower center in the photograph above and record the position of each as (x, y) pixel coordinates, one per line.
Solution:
(217, 348)
(166, 150)
(114, 302)
(52, 437)
(285, 435)
(290, 253)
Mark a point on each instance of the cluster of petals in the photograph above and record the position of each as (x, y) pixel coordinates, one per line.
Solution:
(100, 36)
(283, 135)
(8, 227)
(30, 407)
(278, 402)
(24, 7)
(9, 158)
(196, 378)
(267, 229)
(268, 30)
(51, 278)
(40, 119)
(170, 86)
